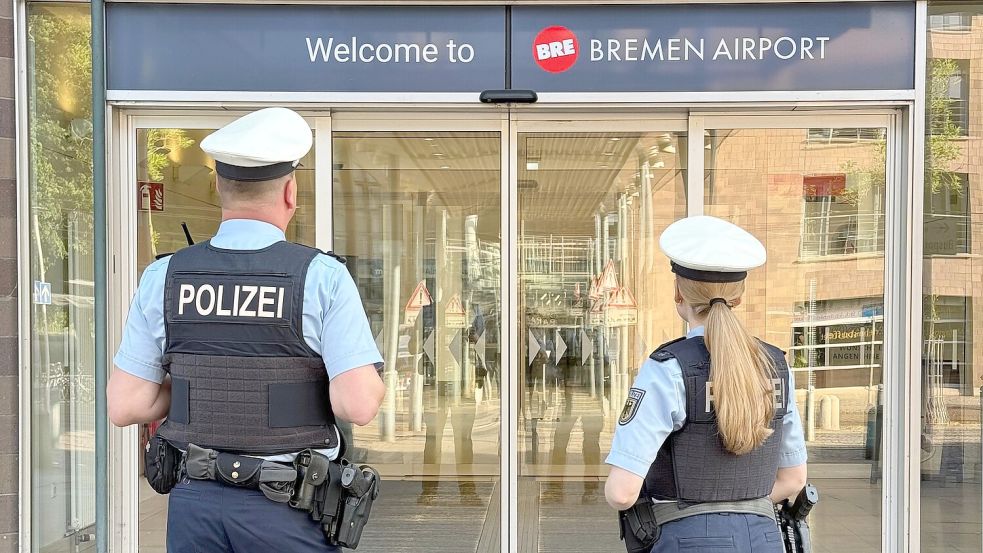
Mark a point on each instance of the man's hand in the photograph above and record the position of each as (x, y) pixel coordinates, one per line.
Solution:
(357, 394)
(133, 400)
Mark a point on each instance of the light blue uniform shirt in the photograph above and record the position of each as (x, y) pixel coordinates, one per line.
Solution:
(334, 320)
(663, 411)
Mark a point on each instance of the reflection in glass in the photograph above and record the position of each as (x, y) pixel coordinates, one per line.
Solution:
(595, 298)
(176, 184)
(61, 329)
(815, 198)
(951, 457)
(418, 217)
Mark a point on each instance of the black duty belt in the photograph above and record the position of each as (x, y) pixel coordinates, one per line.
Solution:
(338, 495)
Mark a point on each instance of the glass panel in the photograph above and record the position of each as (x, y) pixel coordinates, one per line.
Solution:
(176, 184)
(593, 291)
(952, 368)
(818, 206)
(61, 330)
(418, 215)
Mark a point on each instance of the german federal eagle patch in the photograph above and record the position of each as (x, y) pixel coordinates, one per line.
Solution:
(635, 396)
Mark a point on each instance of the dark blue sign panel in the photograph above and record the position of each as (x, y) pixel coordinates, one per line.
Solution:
(714, 48)
(258, 48)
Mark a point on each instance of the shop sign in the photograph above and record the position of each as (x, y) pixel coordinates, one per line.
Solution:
(721, 48)
(281, 48)
(572, 48)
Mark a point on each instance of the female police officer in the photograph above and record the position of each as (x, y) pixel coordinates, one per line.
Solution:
(710, 432)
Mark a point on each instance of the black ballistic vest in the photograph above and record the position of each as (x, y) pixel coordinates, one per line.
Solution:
(243, 378)
(693, 466)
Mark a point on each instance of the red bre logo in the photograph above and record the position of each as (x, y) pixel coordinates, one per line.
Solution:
(555, 49)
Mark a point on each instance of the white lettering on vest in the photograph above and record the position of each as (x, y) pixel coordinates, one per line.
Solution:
(212, 300)
(778, 393)
(186, 294)
(218, 304)
(266, 298)
(243, 308)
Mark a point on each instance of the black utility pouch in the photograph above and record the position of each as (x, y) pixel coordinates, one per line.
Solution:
(639, 528)
(162, 464)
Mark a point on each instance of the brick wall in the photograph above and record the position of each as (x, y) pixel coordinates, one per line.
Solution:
(9, 475)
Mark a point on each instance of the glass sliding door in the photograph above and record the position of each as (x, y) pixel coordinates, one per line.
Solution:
(815, 196)
(594, 299)
(418, 216)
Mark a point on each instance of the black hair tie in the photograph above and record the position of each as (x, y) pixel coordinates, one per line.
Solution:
(718, 300)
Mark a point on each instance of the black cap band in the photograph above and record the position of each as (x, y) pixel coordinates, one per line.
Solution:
(707, 276)
(254, 174)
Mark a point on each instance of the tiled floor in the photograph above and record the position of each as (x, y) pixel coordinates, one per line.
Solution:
(565, 517)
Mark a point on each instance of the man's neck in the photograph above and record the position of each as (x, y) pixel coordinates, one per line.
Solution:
(278, 222)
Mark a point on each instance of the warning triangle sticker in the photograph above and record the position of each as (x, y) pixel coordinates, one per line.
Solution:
(622, 297)
(609, 278)
(454, 306)
(594, 292)
(420, 297)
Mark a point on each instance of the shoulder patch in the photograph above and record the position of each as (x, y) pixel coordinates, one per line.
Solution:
(635, 396)
(662, 355)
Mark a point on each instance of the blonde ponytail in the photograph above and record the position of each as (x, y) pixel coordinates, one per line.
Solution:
(741, 371)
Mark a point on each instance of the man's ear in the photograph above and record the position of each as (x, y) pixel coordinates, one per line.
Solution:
(290, 193)
(736, 302)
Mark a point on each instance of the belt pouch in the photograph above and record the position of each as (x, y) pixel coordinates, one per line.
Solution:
(238, 471)
(162, 464)
(638, 527)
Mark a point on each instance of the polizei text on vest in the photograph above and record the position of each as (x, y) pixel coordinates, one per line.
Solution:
(242, 300)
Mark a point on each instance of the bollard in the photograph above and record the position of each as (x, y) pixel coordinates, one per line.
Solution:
(834, 413)
(826, 413)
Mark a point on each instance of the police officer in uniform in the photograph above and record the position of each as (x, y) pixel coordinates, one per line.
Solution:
(710, 432)
(236, 340)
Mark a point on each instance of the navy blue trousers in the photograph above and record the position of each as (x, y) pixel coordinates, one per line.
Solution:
(207, 517)
(720, 533)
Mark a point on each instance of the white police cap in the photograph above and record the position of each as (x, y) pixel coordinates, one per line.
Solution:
(709, 249)
(262, 145)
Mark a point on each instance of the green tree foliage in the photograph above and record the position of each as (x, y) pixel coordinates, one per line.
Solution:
(60, 131)
(941, 146)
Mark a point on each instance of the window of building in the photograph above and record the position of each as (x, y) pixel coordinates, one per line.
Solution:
(949, 82)
(841, 215)
(953, 22)
(947, 216)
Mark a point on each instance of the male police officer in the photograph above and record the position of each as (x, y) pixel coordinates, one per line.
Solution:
(235, 341)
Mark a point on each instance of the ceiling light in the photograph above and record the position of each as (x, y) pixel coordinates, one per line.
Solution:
(532, 166)
(428, 139)
(609, 153)
(445, 166)
(615, 139)
(439, 154)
